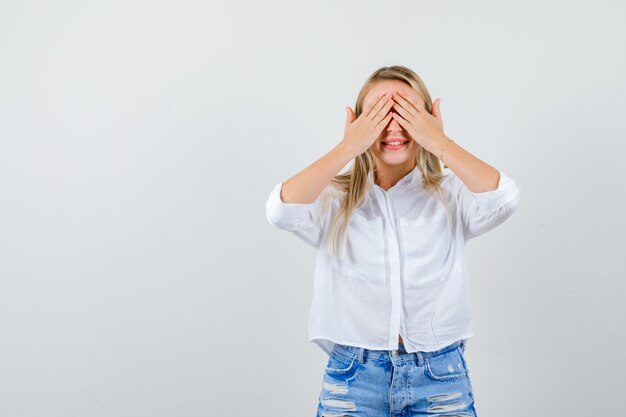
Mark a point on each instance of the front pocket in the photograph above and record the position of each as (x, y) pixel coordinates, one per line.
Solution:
(428, 251)
(446, 366)
(366, 249)
(341, 367)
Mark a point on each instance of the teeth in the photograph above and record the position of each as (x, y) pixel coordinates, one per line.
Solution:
(394, 143)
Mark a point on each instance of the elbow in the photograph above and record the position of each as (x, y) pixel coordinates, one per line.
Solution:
(514, 202)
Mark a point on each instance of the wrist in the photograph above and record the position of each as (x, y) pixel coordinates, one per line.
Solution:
(437, 145)
(444, 146)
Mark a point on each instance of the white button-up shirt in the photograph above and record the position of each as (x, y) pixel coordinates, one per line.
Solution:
(405, 273)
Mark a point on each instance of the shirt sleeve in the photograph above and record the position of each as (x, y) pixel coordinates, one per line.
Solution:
(302, 220)
(482, 211)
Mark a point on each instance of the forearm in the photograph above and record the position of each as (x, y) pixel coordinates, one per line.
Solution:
(477, 175)
(306, 186)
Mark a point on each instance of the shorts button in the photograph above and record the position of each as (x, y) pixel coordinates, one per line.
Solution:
(394, 353)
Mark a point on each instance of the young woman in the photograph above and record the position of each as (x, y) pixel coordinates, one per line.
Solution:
(391, 297)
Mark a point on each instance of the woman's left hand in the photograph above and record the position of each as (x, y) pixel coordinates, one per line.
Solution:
(424, 128)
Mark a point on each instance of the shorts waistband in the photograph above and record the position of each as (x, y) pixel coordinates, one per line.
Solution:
(396, 356)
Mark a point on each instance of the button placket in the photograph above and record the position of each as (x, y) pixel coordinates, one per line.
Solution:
(394, 265)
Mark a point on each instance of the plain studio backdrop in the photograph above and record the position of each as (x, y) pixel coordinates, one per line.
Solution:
(139, 141)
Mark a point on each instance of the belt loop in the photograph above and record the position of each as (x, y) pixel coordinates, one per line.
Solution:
(420, 358)
(360, 354)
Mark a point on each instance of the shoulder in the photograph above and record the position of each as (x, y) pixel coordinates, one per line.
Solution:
(330, 196)
(334, 191)
(450, 183)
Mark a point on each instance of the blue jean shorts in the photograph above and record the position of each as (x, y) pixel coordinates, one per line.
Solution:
(375, 383)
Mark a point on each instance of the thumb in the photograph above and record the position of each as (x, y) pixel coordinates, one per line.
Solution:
(436, 109)
(349, 116)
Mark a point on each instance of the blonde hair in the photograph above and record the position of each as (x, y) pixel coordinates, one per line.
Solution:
(353, 185)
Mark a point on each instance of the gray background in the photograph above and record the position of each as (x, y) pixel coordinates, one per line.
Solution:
(139, 141)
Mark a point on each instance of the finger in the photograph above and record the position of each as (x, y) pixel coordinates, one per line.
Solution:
(381, 125)
(402, 121)
(370, 106)
(382, 112)
(382, 100)
(404, 111)
(405, 100)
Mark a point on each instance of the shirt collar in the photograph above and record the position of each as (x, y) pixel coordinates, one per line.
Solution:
(410, 179)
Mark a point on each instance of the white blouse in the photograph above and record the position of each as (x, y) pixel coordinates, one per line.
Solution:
(405, 272)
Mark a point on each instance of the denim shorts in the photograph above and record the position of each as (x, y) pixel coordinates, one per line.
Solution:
(375, 383)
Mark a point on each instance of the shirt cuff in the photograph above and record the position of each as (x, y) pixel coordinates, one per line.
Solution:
(287, 214)
(506, 191)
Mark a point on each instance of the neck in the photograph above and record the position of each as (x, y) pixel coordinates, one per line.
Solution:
(388, 176)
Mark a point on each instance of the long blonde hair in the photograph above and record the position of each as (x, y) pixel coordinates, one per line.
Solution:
(353, 185)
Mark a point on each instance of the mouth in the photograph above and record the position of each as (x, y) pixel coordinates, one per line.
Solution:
(394, 144)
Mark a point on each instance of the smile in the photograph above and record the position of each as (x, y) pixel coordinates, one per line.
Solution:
(395, 145)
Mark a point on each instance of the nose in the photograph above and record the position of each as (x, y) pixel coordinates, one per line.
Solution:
(394, 126)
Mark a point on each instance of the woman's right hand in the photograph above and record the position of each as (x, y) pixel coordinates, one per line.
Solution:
(361, 133)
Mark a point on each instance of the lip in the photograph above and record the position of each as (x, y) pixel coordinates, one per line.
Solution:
(394, 148)
(395, 140)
